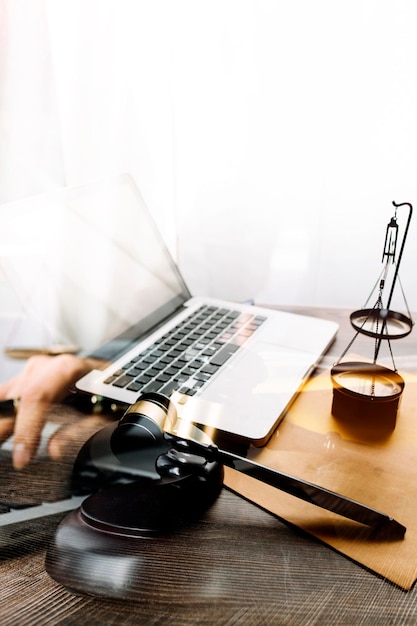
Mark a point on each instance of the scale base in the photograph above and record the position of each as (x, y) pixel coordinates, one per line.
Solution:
(353, 401)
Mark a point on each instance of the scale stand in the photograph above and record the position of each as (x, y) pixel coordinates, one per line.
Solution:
(366, 390)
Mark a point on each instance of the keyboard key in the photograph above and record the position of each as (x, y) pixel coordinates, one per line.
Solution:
(209, 351)
(110, 380)
(174, 353)
(152, 387)
(144, 379)
(189, 355)
(224, 354)
(152, 372)
(185, 343)
(162, 378)
(122, 381)
(135, 386)
(196, 364)
(188, 391)
(149, 359)
(188, 371)
(158, 366)
(210, 369)
(139, 367)
(169, 388)
(173, 369)
(201, 376)
(157, 353)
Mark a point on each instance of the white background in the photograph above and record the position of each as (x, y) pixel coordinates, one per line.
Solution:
(268, 137)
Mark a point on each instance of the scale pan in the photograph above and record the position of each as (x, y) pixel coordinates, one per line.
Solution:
(381, 323)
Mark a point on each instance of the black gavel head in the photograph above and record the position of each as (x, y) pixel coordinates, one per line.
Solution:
(141, 427)
(142, 484)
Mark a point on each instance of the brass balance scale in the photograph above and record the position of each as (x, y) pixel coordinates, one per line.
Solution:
(365, 390)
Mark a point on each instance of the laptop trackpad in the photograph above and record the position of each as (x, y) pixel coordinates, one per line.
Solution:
(255, 388)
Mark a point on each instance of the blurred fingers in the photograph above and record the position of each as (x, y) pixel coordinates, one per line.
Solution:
(68, 440)
(6, 428)
(28, 426)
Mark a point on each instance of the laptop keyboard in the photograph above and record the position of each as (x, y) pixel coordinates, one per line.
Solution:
(186, 357)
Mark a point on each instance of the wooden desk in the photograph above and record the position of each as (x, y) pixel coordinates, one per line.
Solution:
(237, 565)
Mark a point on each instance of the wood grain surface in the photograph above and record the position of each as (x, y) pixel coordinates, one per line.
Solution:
(236, 565)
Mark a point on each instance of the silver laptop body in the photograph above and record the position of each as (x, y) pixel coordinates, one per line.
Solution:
(244, 377)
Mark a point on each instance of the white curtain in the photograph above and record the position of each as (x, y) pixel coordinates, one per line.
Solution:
(267, 137)
(30, 139)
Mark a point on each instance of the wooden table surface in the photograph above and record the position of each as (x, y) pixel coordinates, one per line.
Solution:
(236, 565)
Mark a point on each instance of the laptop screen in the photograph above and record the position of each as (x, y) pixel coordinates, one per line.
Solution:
(88, 264)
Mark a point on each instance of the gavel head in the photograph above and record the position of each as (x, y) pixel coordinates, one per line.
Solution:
(141, 481)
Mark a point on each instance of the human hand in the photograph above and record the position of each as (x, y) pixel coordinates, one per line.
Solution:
(43, 381)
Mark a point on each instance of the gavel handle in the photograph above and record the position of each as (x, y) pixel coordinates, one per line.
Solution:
(381, 523)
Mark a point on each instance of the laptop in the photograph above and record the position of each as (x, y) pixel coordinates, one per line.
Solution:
(240, 365)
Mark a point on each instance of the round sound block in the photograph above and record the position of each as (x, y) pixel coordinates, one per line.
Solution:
(104, 548)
